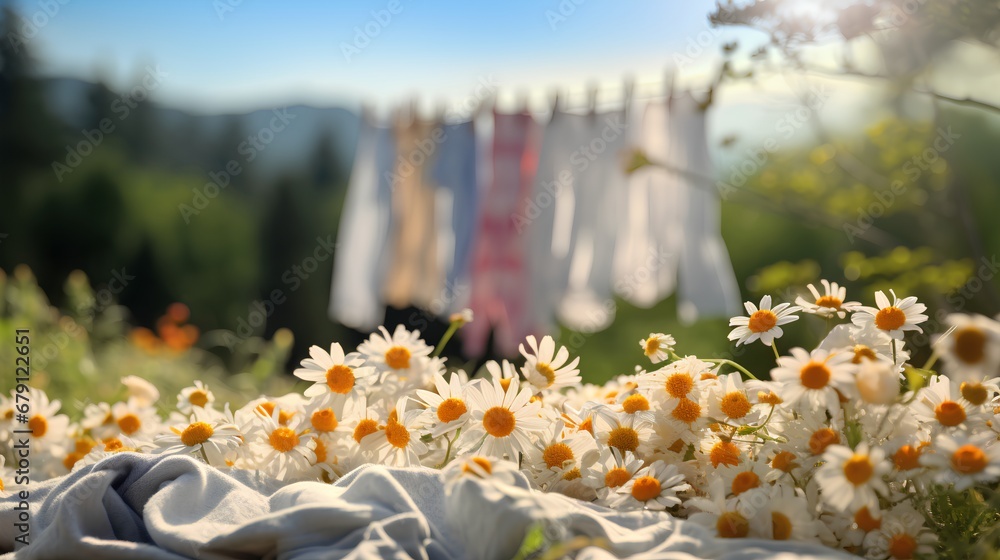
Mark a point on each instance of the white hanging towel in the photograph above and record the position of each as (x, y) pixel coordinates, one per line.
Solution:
(547, 219)
(650, 231)
(708, 285)
(599, 188)
(356, 293)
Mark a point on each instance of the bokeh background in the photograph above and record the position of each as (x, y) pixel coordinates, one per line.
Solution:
(854, 140)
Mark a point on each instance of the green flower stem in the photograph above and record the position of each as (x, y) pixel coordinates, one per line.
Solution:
(774, 346)
(730, 363)
(452, 328)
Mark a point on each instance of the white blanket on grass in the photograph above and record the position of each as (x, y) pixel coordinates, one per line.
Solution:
(134, 506)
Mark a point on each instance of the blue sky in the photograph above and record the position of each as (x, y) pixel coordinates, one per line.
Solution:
(253, 53)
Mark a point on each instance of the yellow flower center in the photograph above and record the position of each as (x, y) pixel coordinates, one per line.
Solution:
(906, 457)
(284, 439)
(451, 409)
(324, 420)
(677, 446)
(268, 408)
(320, 451)
(652, 345)
(724, 453)
(498, 422)
(762, 320)
(821, 439)
(745, 481)
(975, 393)
(113, 444)
(38, 426)
(364, 428)
(862, 351)
(129, 424)
(902, 546)
(814, 375)
(866, 521)
(624, 439)
(732, 525)
(949, 413)
(557, 454)
(340, 379)
(781, 526)
(572, 474)
(969, 459)
(481, 462)
(784, 461)
(547, 372)
(84, 445)
(678, 385)
(645, 488)
(635, 403)
(397, 357)
(196, 433)
(587, 426)
(616, 477)
(769, 398)
(397, 435)
(970, 345)
(8, 414)
(735, 404)
(686, 411)
(198, 398)
(829, 301)
(858, 469)
(890, 318)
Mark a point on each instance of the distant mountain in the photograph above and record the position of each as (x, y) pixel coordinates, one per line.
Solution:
(183, 137)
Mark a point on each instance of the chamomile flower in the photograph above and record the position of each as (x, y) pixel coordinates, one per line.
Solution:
(867, 343)
(937, 406)
(205, 436)
(282, 451)
(789, 517)
(335, 371)
(830, 303)
(972, 350)
(447, 409)
(197, 396)
(502, 421)
(398, 443)
(140, 391)
(611, 471)
(47, 426)
(625, 432)
(482, 467)
(545, 368)
(656, 346)
(554, 453)
(762, 323)
(731, 401)
(743, 477)
(725, 518)
(817, 377)
(135, 419)
(892, 317)
(654, 487)
(395, 353)
(677, 379)
(964, 460)
(111, 446)
(901, 535)
(851, 479)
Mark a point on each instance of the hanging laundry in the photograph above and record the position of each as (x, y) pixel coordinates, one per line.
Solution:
(650, 231)
(708, 285)
(547, 223)
(359, 261)
(414, 276)
(455, 173)
(587, 304)
(500, 287)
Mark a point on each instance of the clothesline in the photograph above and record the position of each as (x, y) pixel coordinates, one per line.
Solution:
(531, 221)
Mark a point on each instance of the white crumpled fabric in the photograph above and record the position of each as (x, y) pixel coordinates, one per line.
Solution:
(169, 507)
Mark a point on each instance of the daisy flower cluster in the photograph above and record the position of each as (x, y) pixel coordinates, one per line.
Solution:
(843, 444)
